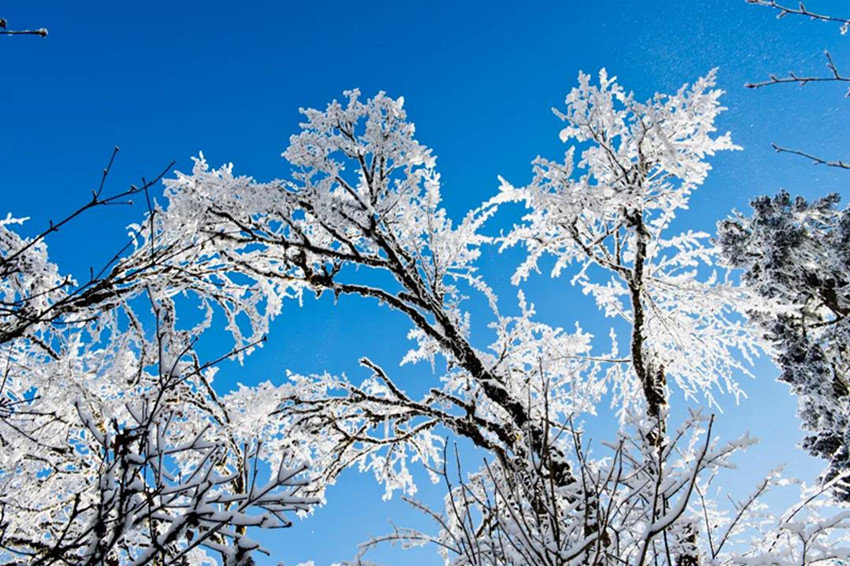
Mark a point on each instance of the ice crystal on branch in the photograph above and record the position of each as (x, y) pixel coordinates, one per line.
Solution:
(608, 212)
(116, 448)
(124, 450)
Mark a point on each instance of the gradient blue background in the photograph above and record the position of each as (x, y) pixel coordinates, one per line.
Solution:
(164, 80)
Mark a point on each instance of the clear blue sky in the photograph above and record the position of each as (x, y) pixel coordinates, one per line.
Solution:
(164, 80)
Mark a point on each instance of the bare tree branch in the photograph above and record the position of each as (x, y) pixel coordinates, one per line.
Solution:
(792, 77)
(5, 31)
(834, 75)
(815, 159)
(801, 10)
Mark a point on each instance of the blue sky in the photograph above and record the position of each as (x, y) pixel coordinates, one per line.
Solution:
(165, 80)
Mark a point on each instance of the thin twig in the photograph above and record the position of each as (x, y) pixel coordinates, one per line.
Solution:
(815, 159)
(801, 10)
(3, 31)
(834, 76)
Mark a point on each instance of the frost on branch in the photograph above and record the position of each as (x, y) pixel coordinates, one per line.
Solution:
(171, 469)
(361, 216)
(796, 258)
(115, 446)
(631, 505)
(608, 213)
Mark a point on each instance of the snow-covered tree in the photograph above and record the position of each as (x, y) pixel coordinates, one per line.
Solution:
(360, 216)
(795, 256)
(115, 446)
(611, 218)
(122, 450)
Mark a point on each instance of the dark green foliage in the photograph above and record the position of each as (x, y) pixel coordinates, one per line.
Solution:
(795, 256)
